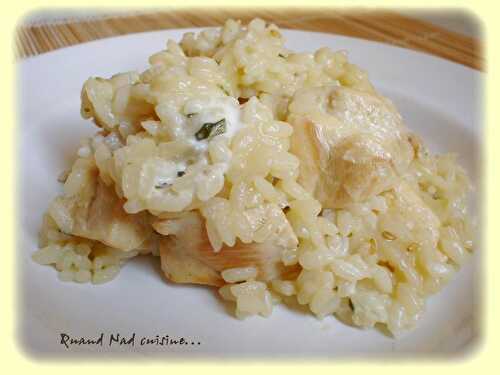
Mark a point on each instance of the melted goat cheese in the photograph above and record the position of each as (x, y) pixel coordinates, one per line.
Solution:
(199, 112)
(211, 110)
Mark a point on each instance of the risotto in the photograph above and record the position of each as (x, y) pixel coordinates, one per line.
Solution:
(275, 176)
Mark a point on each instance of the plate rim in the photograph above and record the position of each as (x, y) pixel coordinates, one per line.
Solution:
(287, 30)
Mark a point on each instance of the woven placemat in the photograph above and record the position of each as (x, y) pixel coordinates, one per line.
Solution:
(383, 26)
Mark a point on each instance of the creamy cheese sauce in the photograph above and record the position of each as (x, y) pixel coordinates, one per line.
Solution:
(198, 113)
(211, 110)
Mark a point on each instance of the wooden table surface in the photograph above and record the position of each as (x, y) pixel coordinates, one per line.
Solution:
(383, 26)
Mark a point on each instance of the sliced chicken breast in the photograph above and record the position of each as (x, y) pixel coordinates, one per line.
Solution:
(351, 144)
(96, 212)
(188, 257)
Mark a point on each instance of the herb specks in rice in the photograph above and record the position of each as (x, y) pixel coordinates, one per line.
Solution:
(219, 164)
(210, 130)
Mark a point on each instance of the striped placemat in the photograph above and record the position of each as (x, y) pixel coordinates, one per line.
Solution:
(383, 26)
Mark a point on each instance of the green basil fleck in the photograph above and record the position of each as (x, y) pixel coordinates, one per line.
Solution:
(211, 129)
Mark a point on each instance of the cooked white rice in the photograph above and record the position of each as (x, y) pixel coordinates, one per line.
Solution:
(371, 261)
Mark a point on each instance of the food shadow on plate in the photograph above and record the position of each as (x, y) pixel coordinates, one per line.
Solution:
(147, 262)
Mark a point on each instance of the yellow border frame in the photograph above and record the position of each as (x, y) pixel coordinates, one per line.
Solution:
(481, 358)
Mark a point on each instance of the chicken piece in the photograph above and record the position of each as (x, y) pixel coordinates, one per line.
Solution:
(351, 144)
(188, 257)
(96, 212)
(105, 220)
(411, 215)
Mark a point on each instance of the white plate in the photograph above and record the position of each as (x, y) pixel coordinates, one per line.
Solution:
(439, 100)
